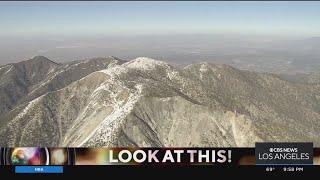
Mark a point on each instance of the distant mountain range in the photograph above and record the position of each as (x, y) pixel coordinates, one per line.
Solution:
(145, 102)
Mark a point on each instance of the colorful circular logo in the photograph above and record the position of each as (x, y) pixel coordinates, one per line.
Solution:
(28, 156)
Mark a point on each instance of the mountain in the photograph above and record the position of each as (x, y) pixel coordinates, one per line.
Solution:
(16, 79)
(145, 102)
(26, 80)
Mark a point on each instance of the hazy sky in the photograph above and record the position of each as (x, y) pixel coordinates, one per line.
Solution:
(132, 18)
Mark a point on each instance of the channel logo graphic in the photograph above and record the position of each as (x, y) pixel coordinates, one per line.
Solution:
(284, 153)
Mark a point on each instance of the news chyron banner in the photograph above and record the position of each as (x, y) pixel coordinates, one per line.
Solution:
(271, 156)
(116, 156)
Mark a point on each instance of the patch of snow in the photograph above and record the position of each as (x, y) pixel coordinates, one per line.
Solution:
(139, 87)
(113, 87)
(29, 106)
(51, 70)
(47, 80)
(8, 70)
(120, 110)
(114, 71)
(112, 63)
(166, 99)
(144, 63)
(171, 74)
(4, 67)
(203, 68)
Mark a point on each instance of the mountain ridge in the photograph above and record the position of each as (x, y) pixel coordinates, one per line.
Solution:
(29, 79)
(145, 102)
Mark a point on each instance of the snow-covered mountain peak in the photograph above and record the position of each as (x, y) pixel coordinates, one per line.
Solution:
(145, 63)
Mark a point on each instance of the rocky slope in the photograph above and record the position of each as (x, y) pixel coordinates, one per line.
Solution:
(26, 80)
(145, 102)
